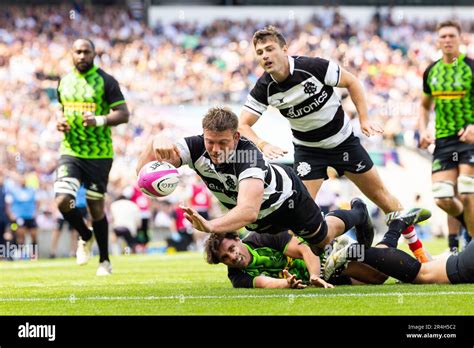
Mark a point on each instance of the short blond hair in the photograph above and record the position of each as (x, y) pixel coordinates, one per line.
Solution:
(219, 119)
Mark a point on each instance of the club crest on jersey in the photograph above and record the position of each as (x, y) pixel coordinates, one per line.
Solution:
(310, 88)
(303, 169)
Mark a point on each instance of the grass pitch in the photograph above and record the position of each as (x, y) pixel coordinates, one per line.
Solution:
(183, 284)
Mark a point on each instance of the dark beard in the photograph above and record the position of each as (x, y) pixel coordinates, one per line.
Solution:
(85, 68)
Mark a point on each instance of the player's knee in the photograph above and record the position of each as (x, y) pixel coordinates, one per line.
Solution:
(443, 193)
(445, 203)
(466, 187)
(97, 210)
(64, 202)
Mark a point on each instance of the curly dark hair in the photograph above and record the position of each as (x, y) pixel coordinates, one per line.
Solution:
(214, 242)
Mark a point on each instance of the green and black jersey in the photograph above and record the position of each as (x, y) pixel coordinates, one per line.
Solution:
(94, 91)
(452, 87)
(268, 258)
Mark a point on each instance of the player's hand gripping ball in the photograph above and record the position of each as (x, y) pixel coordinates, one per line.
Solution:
(158, 179)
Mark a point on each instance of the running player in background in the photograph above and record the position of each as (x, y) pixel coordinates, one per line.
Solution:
(448, 83)
(302, 89)
(92, 103)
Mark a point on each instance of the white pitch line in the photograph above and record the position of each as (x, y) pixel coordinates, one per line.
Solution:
(73, 298)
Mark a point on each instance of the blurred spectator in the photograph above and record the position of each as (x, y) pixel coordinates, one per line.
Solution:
(126, 219)
(181, 237)
(4, 220)
(22, 200)
(144, 203)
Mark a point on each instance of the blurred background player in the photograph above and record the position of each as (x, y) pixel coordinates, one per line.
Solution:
(81, 204)
(4, 218)
(448, 83)
(181, 236)
(201, 201)
(126, 218)
(91, 103)
(144, 203)
(23, 208)
(302, 89)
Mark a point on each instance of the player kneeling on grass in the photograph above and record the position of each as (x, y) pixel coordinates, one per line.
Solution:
(263, 197)
(389, 261)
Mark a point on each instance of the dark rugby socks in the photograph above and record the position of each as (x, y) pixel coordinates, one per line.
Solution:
(75, 218)
(350, 218)
(101, 232)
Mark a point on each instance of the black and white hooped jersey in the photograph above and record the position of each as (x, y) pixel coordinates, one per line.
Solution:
(307, 99)
(245, 162)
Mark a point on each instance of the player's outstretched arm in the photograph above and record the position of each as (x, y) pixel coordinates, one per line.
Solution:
(290, 281)
(300, 250)
(246, 121)
(356, 91)
(245, 212)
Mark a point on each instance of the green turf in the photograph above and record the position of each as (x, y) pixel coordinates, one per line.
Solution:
(184, 284)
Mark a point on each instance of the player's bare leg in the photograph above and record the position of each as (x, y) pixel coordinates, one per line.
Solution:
(372, 186)
(466, 176)
(313, 186)
(433, 272)
(445, 193)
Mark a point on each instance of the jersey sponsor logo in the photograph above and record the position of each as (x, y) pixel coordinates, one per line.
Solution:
(94, 187)
(449, 94)
(79, 107)
(308, 109)
(360, 166)
(303, 169)
(230, 183)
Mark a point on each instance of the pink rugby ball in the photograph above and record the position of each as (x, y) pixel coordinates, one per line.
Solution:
(158, 179)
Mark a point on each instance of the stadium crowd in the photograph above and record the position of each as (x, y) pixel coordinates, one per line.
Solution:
(187, 63)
